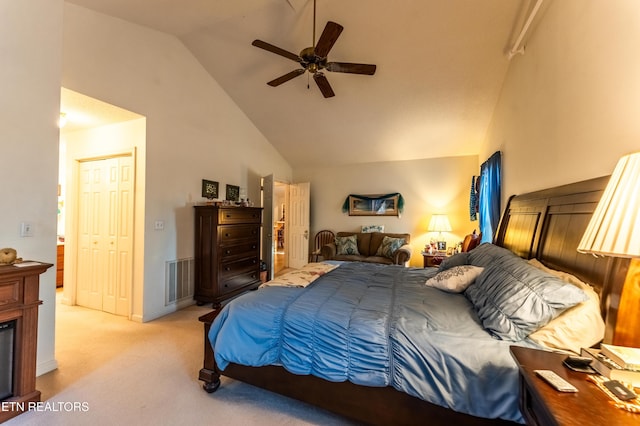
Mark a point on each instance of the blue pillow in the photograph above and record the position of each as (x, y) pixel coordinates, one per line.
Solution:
(458, 259)
(486, 254)
(514, 299)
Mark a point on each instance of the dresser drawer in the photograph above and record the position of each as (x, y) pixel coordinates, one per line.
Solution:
(236, 215)
(229, 234)
(238, 281)
(230, 269)
(250, 248)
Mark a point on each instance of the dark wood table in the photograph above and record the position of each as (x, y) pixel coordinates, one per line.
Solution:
(434, 259)
(542, 405)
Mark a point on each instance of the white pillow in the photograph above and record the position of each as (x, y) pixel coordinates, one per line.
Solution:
(372, 228)
(456, 279)
(579, 327)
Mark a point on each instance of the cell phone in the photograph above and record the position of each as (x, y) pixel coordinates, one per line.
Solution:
(580, 364)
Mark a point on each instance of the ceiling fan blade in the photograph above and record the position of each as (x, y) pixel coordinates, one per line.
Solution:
(351, 68)
(329, 36)
(283, 79)
(275, 49)
(323, 85)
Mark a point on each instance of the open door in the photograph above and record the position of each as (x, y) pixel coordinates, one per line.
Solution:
(267, 223)
(298, 223)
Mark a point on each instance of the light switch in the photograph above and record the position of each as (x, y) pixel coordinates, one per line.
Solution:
(26, 229)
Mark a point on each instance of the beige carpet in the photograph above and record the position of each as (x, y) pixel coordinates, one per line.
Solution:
(120, 372)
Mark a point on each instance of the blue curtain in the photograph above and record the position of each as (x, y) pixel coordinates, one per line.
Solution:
(489, 210)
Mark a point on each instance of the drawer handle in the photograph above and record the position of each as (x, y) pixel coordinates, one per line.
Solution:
(227, 234)
(228, 252)
(227, 268)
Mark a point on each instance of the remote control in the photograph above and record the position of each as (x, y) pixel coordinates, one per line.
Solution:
(619, 390)
(557, 382)
(576, 361)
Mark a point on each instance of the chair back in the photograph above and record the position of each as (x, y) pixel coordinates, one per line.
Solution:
(471, 241)
(323, 237)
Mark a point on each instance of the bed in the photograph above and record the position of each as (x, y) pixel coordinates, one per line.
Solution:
(544, 225)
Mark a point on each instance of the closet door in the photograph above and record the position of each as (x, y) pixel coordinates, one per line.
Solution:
(105, 239)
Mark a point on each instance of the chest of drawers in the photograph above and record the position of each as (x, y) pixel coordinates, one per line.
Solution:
(227, 252)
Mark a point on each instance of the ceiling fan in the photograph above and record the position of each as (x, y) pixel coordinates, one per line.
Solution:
(314, 59)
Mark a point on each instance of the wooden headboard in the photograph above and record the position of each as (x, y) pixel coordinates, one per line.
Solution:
(549, 224)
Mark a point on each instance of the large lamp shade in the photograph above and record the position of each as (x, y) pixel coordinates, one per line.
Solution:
(439, 223)
(614, 229)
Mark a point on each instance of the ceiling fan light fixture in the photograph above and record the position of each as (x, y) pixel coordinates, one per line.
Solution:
(314, 59)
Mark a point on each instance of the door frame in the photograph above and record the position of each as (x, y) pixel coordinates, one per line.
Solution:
(71, 229)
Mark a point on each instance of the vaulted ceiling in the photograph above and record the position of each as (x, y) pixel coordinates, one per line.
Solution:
(440, 68)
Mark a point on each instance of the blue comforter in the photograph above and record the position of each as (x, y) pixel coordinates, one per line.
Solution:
(375, 325)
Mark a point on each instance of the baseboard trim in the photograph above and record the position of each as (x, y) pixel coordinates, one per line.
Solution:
(46, 367)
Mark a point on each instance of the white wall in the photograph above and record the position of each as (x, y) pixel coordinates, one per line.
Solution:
(30, 46)
(569, 105)
(429, 186)
(194, 131)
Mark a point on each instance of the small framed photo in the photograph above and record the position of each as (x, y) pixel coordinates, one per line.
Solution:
(209, 189)
(233, 193)
(442, 245)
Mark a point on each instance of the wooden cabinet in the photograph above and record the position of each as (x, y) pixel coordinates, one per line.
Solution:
(19, 301)
(227, 252)
(435, 259)
(60, 266)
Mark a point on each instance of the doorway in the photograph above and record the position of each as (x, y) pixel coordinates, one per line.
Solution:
(280, 192)
(99, 185)
(285, 240)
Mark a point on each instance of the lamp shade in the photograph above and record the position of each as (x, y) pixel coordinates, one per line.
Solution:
(439, 223)
(614, 229)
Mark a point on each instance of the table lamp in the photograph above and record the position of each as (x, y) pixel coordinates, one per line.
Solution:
(440, 223)
(614, 230)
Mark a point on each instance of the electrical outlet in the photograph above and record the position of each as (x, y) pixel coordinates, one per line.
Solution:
(26, 229)
(159, 225)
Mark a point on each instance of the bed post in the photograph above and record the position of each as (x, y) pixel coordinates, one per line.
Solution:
(209, 372)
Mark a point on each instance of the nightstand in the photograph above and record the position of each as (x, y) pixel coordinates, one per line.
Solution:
(542, 405)
(434, 259)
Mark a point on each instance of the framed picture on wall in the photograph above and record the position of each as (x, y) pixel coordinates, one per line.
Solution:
(373, 205)
(209, 189)
(233, 193)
